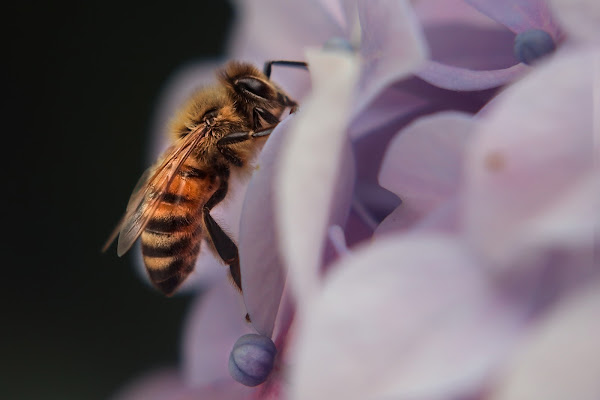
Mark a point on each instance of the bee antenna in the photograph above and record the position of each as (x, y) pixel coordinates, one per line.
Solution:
(269, 64)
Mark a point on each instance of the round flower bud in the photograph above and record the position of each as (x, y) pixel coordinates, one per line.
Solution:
(532, 45)
(251, 359)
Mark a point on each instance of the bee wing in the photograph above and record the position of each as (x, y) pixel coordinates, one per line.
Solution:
(147, 193)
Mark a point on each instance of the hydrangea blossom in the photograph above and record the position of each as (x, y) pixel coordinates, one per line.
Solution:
(426, 226)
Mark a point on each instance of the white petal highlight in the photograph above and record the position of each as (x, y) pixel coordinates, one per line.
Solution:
(263, 272)
(534, 145)
(392, 45)
(560, 359)
(581, 18)
(463, 79)
(215, 322)
(406, 317)
(310, 166)
(424, 162)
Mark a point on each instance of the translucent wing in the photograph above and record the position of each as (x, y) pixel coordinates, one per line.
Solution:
(147, 193)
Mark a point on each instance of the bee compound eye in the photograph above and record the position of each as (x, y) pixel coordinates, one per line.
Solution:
(253, 86)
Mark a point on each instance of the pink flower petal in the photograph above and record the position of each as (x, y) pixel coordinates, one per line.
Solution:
(407, 100)
(572, 221)
(408, 317)
(164, 384)
(443, 218)
(214, 324)
(451, 12)
(532, 148)
(392, 104)
(560, 359)
(424, 162)
(277, 30)
(581, 18)
(519, 15)
(456, 78)
(343, 12)
(469, 51)
(263, 273)
(310, 167)
(392, 45)
(404, 217)
(471, 47)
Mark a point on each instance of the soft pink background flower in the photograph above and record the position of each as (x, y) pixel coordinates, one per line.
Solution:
(486, 261)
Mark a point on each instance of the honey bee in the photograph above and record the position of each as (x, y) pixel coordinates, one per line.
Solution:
(220, 128)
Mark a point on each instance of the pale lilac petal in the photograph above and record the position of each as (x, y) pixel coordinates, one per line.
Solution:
(532, 148)
(407, 100)
(424, 162)
(343, 12)
(419, 217)
(392, 45)
(570, 222)
(469, 51)
(215, 322)
(456, 78)
(166, 384)
(581, 18)
(358, 229)
(519, 15)
(451, 12)
(310, 167)
(470, 46)
(404, 217)
(163, 384)
(560, 359)
(445, 218)
(405, 317)
(392, 104)
(281, 30)
(263, 272)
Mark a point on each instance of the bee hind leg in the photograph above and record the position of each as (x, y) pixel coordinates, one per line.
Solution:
(221, 242)
(224, 246)
(227, 250)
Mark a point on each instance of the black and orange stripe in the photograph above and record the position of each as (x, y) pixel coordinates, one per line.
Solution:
(172, 238)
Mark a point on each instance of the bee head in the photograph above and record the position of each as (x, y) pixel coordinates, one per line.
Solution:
(254, 95)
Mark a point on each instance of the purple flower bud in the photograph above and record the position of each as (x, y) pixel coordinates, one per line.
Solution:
(532, 45)
(251, 359)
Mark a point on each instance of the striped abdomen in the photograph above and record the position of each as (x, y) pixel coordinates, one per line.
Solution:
(171, 240)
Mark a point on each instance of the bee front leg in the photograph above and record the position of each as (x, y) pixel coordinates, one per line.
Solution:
(239, 137)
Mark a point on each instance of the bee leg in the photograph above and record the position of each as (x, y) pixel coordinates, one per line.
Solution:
(222, 243)
(239, 137)
(224, 246)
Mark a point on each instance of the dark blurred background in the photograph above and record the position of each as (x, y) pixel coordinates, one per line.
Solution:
(83, 80)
